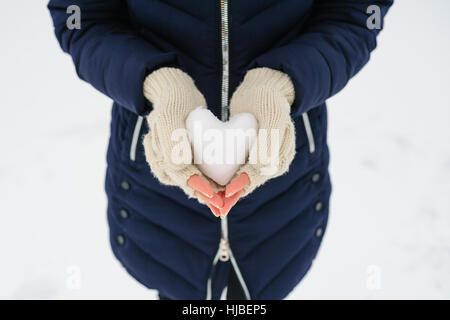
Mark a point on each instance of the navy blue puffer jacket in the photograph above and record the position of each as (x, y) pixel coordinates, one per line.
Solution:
(163, 239)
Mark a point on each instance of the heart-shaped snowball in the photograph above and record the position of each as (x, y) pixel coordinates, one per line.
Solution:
(220, 148)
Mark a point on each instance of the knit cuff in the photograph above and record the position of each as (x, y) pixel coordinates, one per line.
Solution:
(260, 173)
(271, 79)
(166, 80)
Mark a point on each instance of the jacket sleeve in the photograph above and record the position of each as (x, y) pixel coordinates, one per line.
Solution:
(334, 44)
(106, 50)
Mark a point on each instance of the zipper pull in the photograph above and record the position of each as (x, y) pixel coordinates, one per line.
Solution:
(224, 250)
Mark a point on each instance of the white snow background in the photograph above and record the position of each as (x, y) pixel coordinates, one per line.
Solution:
(389, 135)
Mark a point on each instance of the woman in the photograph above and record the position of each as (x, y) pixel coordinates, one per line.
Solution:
(158, 60)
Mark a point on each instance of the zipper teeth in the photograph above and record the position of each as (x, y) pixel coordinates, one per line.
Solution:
(224, 242)
(224, 117)
(225, 58)
(224, 228)
(134, 141)
(225, 80)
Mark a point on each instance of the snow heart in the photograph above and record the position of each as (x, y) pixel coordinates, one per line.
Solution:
(220, 148)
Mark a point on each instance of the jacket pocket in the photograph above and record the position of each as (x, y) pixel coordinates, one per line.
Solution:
(135, 153)
(132, 129)
(310, 129)
(135, 139)
(309, 132)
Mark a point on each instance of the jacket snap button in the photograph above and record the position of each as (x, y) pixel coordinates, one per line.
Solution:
(318, 206)
(125, 185)
(315, 177)
(124, 214)
(319, 232)
(120, 239)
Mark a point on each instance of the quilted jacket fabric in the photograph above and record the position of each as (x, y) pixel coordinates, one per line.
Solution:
(163, 239)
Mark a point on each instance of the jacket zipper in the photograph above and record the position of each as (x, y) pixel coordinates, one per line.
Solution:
(309, 132)
(224, 252)
(225, 57)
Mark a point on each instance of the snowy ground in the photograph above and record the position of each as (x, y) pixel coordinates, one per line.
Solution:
(388, 235)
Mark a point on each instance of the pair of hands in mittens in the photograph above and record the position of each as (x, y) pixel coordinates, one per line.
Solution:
(265, 93)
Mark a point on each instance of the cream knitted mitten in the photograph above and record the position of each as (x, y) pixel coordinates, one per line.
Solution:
(173, 95)
(268, 95)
